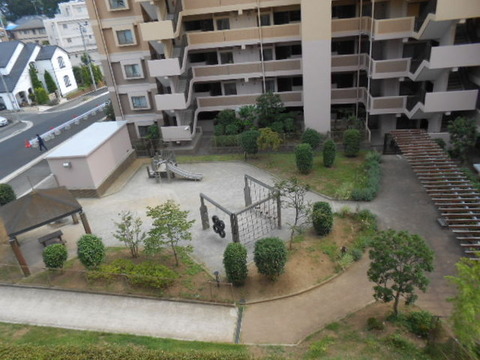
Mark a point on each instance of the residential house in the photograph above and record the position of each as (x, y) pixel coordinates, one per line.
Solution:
(391, 63)
(30, 29)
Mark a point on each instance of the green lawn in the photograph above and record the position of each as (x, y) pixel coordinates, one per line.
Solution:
(336, 181)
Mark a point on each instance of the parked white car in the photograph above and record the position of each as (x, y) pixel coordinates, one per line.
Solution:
(3, 121)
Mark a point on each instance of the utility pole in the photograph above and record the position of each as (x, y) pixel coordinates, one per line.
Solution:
(89, 61)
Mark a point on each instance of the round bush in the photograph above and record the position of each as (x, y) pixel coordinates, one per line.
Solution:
(270, 257)
(351, 141)
(329, 153)
(6, 194)
(312, 137)
(289, 124)
(219, 130)
(420, 323)
(322, 221)
(304, 158)
(248, 141)
(356, 254)
(278, 126)
(235, 262)
(324, 206)
(90, 251)
(54, 256)
(232, 129)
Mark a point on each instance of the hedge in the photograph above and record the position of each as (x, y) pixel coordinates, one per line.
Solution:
(351, 142)
(270, 257)
(322, 218)
(372, 171)
(235, 262)
(329, 153)
(6, 194)
(226, 140)
(312, 137)
(304, 158)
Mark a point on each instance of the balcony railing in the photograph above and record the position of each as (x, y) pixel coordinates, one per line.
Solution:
(382, 69)
(290, 65)
(382, 29)
(293, 98)
(205, 4)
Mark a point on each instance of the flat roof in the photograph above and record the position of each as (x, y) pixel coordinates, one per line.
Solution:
(87, 140)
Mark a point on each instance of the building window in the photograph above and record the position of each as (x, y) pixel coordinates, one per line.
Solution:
(66, 80)
(132, 71)
(41, 31)
(268, 54)
(226, 57)
(139, 102)
(61, 63)
(125, 37)
(117, 4)
(265, 20)
(65, 26)
(230, 88)
(223, 24)
(143, 131)
(269, 86)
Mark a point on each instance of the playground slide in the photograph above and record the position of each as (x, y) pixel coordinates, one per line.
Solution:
(184, 173)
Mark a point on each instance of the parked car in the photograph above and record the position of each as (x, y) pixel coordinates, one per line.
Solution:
(3, 121)
(2, 107)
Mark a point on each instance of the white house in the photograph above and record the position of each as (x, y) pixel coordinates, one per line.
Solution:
(55, 60)
(71, 30)
(15, 81)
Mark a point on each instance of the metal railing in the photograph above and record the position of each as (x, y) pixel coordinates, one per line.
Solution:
(50, 134)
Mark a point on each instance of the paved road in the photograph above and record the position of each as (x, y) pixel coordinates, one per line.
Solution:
(14, 146)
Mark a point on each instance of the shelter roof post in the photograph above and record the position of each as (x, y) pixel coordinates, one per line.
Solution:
(85, 223)
(19, 255)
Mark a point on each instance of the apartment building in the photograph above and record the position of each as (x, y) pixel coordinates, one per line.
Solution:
(393, 63)
(71, 30)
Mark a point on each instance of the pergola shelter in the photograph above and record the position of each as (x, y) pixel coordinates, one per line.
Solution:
(36, 209)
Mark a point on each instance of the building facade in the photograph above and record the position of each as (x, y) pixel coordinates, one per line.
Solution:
(30, 29)
(392, 64)
(71, 30)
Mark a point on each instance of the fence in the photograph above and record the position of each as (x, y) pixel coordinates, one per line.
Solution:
(50, 134)
(117, 284)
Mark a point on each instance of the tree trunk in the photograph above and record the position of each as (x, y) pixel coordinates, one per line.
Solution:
(175, 254)
(395, 304)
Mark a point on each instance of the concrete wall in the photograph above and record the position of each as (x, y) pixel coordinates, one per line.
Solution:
(78, 176)
(457, 9)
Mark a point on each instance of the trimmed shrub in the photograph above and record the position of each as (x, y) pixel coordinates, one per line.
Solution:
(312, 137)
(375, 324)
(324, 206)
(249, 141)
(351, 141)
(278, 127)
(226, 117)
(235, 262)
(304, 158)
(322, 221)
(329, 153)
(369, 189)
(270, 257)
(150, 274)
(90, 251)
(41, 96)
(289, 125)
(6, 194)
(54, 256)
(420, 323)
(51, 85)
(232, 129)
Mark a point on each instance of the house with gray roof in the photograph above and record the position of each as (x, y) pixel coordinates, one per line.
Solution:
(15, 81)
(30, 29)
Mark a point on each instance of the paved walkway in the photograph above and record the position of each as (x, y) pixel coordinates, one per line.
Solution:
(401, 204)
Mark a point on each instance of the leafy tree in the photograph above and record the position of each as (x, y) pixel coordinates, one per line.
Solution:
(41, 95)
(312, 137)
(226, 117)
(293, 193)
(466, 309)
(51, 85)
(170, 225)
(90, 251)
(278, 127)
(129, 231)
(33, 72)
(351, 141)
(109, 111)
(304, 158)
(235, 262)
(329, 153)
(249, 142)
(269, 107)
(97, 74)
(399, 262)
(322, 218)
(269, 139)
(54, 256)
(15, 9)
(78, 74)
(463, 135)
(153, 132)
(270, 257)
(247, 116)
(6, 194)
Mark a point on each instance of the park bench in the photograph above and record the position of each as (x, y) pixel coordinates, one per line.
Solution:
(52, 238)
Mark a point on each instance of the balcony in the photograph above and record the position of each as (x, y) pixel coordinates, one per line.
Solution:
(349, 62)
(389, 69)
(349, 95)
(164, 67)
(455, 56)
(207, 5)
(246, 35)
(451, 101)
(388, 105)
(170, 102)
(293, 98)
(248, 70)
(157, 30)
(382, 29)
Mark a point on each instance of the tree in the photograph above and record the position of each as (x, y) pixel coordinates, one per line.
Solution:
(399, 262)
(329, 153)
(54, 256)
(249, 142)
(33, 72)
(6, 194)
(466, 309)
(322, 218)
(170, 225)
(270, 257)
(15, 9)
(463, 135)
(78, 74)
(269, 107)
(235, 262)
(51, 85)
(247, 116)
(293, 193)
(352, 139)
(304, 158)
(269, 139)
(109, 111)
(90, 251)
(41, 95)
(129, 231)
(312, 137)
